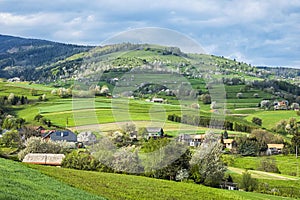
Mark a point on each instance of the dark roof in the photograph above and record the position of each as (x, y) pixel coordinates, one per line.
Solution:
(154, 130)
(62, 136)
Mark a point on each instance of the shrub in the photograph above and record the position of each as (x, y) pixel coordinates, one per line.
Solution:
(11, 139)
(268, 165)
(83, 161)
(247, 183)
(206, 98)
(257, 121)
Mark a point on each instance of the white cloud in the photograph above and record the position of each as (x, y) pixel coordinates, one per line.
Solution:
(252, 30)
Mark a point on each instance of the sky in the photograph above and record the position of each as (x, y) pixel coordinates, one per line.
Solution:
(261, 33)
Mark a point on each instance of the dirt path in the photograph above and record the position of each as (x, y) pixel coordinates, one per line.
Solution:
(246, 109)
(263, 175)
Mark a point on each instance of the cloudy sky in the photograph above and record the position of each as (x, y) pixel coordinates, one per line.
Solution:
(254, 31)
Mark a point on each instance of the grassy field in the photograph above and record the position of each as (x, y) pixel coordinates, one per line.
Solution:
(287, 165)
(270, 118)
(19, 182)
(119, 187)
(101, 110)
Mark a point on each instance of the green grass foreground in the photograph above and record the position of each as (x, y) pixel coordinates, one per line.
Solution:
(18, 182)
(118, 186)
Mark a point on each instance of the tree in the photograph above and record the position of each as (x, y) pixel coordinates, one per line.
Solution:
(225, 135)
(247, 146)
(28, 132)
(11, 139)
(239, 95)
(142, 132)
(128, 128)
(281, 127)
(126, 160)
(38, 117)
(257, 121)
(268, 165)
(182, 175)
(33, 92)
(39, 145)
(293, 129)
(11, 98)
(256, 95)
(206, 163)
(44, 97)
(206, 98)
(104, 90)
(213, 105)
(247, 183)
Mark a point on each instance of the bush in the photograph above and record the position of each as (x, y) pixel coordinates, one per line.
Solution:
(11, 139)
(257, 121)
(83, 161)
(248, 183)
(268, 165)
(206, 98)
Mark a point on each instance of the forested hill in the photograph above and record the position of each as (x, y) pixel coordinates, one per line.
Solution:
(19, 56)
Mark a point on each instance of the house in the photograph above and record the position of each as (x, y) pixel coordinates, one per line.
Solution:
(154, 132)
(229, 143)
(295, 106)
(44, 159)
(15, 79)
(275, 148)
(185, 139)
(157, 100)
(229, 186)
(191, 140)
(67, 136)
(281, 105)
(197, 140)
(87, 138)
(39, 128)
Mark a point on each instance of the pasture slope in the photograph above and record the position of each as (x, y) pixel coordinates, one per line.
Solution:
(19, 182)
(120, 186)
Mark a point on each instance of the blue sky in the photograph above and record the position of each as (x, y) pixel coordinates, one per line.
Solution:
(258, 32)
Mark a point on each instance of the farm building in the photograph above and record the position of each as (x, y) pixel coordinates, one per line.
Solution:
(281, 105)
(157, 100)
(229, 143)
(154, 132)
(191, 140)
(275, 148)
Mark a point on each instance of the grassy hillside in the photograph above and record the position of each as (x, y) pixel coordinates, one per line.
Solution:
(287, 165)
(270, 118)
(117, 186)
(19, 182)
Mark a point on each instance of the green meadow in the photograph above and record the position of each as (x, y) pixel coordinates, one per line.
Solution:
(119, 186)
(19, 182)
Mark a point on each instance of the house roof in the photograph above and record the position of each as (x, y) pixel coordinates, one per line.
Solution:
(277, 146)
(199, 136)
(228, 141)
(153, 129)
(157, 99)
(61, 136)
(44, 159)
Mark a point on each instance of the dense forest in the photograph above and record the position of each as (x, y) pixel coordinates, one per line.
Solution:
(18, 56)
